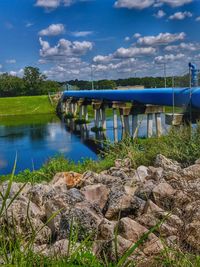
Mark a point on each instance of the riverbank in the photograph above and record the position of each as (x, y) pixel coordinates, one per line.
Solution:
(134, 205)
(25, 105)
(122, 216)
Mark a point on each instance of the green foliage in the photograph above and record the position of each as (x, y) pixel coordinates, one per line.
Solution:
(33, 83)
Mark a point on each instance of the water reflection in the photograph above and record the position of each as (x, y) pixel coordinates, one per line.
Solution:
(37, 138)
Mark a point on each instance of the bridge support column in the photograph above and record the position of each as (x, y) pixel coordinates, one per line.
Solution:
(97, 113)
(124, 114)
(149, 125)
(135, 126)
(85, 112)
(158, 124)
(103, 116)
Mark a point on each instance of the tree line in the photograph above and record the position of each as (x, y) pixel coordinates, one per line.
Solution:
(34, 82)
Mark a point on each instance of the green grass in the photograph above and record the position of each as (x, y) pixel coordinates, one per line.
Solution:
(25, 105)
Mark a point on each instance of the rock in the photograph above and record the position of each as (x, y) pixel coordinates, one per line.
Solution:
(131, 230)
(193, 235)
(156, 174)
(37, 192)
(15, 188)
(91, 178)
(58, 202)
(141, 174)
(106, 230)
(144, 191)
(121, 163)
(167, 164)
(22, 217)
(58, 249)
(197, 161)
(191, 172)
(153, 247)
(84, 218)
(120, 202)
(70, 179)
(96, 194)
(163, 195)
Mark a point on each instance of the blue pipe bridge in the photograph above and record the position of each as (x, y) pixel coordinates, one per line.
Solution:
(178, 97)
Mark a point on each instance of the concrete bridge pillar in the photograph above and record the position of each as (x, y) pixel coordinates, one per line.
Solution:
(135, 126)
(124, 114)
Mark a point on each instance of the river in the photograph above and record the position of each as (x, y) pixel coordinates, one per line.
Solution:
(35, 139)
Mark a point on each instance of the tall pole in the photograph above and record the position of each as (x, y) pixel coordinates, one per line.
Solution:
(92, 80)
(165, 74)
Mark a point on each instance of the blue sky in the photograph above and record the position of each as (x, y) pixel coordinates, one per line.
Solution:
(69, 39)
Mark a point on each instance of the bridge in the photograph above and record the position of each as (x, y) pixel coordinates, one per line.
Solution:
(132, 103)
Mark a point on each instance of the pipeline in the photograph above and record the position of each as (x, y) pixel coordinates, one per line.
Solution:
(159, 96)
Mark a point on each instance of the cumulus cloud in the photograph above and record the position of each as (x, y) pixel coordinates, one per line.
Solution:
(53, 30)
(168, 58)
(134, 51)
(11, 61)
(160, 14)
(64, 48)
(183, 46)
(18, 73)
(181, 15)
(198, 19)
(138, 4)
(81, 33)
(134, 4)
(137, 35)
(53, 4)
(102, 59)
(176, 3)
(127, 39)
(162, 38)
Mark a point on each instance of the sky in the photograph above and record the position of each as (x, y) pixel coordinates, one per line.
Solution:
(99, 39)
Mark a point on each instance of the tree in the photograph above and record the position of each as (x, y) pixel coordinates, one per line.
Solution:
(11, 85)
(33, 79)
(106, 84)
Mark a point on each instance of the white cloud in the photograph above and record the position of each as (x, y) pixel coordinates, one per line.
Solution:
(127, 39)
(134, 4)
(65, 48)
(162, 38)
(142, 4)
(168, 58)
(181, 15)
(53, 4)
(11, 61)
(198, 18)
(102, 59)
(49, 4)
(160, 14)
(137, 35)
(175, 3)
(29, 24)
(81, 33)
(53, 30)
(18, 73)
(134, 51)
(183, 46)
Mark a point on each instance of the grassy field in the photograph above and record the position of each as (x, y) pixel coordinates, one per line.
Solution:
(26, 105)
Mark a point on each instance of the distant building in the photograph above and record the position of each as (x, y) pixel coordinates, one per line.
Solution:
(130, 87)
